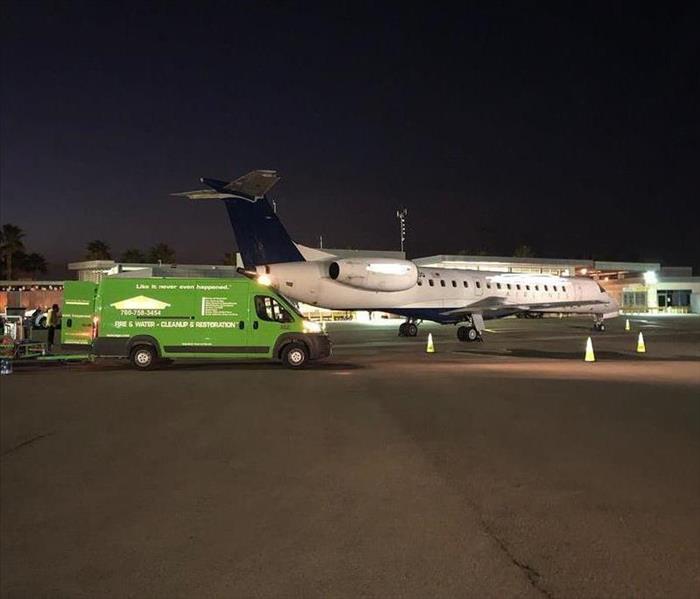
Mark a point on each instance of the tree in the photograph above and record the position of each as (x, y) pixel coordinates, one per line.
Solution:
(10, 243)
(230, 258)
(162, 253)
(30, 264)
(524, 251)
(133, 256)
(97, 250)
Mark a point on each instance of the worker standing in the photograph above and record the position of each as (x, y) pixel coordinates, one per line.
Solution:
(52, 319)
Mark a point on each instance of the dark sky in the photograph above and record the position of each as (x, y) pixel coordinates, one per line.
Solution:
(571, 127)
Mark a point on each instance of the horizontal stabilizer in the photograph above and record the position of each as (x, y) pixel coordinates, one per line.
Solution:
(255, 184)
(204, 194)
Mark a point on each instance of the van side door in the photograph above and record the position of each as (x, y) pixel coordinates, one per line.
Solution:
(77, 314)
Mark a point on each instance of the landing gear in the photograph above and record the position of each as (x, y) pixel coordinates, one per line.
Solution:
(599, 324)
(408, 329)
(468, 333)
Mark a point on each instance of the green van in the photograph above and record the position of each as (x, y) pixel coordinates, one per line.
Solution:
(152, 319)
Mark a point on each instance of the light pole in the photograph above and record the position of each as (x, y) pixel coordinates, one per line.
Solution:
(401, 214)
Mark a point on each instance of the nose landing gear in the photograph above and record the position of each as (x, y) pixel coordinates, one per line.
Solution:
(469, 334)
(599, 324)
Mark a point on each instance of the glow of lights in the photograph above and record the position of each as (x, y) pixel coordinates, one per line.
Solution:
(311, 327)
(584, 271)
(388, 268)
(265, 280)
(650, 277)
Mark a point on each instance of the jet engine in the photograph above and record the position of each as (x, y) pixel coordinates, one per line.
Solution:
(374, 274)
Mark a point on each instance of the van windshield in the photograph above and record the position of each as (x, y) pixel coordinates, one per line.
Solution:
(268, 308)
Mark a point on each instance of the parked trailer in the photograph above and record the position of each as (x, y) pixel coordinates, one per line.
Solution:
(148, 320)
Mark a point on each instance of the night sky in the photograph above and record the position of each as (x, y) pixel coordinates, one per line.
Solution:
(573, 129)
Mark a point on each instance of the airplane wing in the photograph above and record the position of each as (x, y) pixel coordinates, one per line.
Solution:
(490, 304)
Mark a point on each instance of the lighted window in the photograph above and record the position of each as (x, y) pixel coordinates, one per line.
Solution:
(268, 308)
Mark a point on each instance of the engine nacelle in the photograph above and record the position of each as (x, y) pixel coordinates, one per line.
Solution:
(374, 274)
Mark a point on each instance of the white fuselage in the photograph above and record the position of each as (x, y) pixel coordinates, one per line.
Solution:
(439, 290)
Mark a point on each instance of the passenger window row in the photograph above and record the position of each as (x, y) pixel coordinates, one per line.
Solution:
(518, 287)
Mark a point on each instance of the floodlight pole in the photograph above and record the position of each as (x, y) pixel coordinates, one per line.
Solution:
(401, 214)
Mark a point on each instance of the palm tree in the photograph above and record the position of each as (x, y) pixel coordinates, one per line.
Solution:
(133, 256)
(162, 253)
(97, 250)
(11, 243)
(31, 264)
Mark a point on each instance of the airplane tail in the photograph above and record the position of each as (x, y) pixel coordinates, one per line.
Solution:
(261, 237)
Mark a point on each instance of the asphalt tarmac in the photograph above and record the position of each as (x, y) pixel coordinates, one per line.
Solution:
(509, 468)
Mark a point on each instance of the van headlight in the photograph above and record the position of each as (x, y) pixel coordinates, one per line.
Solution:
(311, 327)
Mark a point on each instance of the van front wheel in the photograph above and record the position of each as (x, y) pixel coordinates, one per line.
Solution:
(295, 355)
(143, 357)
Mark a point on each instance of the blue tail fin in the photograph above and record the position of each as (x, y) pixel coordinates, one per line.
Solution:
(261, 237)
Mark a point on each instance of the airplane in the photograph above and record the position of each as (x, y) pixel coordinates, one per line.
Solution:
(460, 297)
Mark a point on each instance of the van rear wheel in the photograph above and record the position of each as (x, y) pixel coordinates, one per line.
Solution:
(143, 357)
(295, 355)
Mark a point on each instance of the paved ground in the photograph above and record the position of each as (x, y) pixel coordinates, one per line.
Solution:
(504, 469)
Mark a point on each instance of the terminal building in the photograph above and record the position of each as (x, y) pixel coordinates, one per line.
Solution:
(639, 287)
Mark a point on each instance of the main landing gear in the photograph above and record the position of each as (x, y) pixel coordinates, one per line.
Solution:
(470, 331)
(408, 329)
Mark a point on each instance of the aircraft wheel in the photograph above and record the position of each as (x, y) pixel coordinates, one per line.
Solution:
(411, 329)
(468, 334)
(402, 329)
